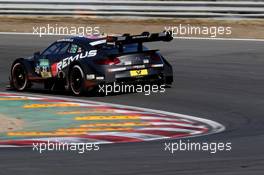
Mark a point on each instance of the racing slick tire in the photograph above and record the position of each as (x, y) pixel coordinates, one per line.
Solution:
(19, 78)
(76, 80)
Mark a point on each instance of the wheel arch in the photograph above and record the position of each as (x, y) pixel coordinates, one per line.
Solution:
(168, 71)
(85, 68)
(26, 63)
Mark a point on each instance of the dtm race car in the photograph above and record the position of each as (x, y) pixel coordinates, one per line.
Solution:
(80, 64)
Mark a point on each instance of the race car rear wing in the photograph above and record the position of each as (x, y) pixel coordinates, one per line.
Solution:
(142, 38)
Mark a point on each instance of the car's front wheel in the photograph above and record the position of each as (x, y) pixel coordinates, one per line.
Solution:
(76, 80)
(19, 76)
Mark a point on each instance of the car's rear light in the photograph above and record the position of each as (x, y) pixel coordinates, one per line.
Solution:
(108, 61)
(155, 57)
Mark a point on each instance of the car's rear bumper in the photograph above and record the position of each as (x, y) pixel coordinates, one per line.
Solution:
(154, 75)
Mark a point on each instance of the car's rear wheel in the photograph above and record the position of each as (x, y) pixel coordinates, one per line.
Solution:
(77, 80)
(19, 77)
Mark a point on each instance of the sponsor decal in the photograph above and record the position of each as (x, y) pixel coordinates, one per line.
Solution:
(54, 70)
(47, 71)
(43, 68)
(67, 61)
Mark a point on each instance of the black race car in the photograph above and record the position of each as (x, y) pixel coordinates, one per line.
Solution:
(80, 64)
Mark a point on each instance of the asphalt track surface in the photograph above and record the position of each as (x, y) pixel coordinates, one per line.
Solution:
(218, 80)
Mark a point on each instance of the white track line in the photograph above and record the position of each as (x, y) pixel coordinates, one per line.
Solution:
(36, 34)
(220, 39)
(183, 38)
